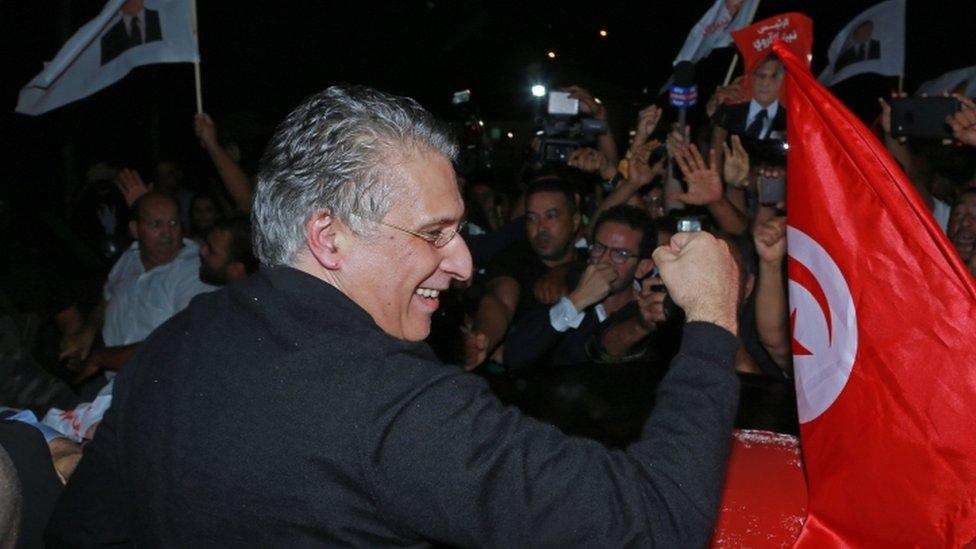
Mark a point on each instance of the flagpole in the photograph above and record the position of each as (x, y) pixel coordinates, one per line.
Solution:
(735, 58)
(196, 64)
(901, 83)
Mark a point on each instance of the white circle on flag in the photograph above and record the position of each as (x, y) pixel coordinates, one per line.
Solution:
(824, 326)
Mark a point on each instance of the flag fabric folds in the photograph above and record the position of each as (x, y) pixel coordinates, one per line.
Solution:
(884, 317)
(961, 81)
(873, 42)
(712, 30)
(125, 35)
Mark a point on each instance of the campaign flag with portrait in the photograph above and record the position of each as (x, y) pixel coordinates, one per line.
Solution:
(873, 42)
(755, 42)
(124, 35)
(883, 313)
(713, 29)
(961, 81)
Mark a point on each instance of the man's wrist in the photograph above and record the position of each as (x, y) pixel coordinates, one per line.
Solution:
(719, 318)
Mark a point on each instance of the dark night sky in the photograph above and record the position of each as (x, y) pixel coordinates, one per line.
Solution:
(261, 58)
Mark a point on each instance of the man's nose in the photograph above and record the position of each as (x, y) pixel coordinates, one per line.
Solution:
(456, 260)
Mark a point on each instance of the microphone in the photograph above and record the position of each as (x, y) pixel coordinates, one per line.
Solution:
(683, 93)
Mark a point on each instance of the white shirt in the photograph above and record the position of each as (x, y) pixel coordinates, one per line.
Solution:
(139, 301)
(563, 315)
(941, 211)
(771, 110)
(127, 21)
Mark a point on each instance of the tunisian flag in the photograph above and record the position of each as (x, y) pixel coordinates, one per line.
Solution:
(884, 316)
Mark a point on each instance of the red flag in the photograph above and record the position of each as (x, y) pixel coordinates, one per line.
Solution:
(884, 316)
(755, 42)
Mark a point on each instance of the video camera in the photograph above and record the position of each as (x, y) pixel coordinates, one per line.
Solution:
(563, 130)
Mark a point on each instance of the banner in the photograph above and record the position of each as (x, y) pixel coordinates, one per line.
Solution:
(755, 42)
(712, 30)
(884, 315)
(873, 42)
(125, 35)
(961, 81)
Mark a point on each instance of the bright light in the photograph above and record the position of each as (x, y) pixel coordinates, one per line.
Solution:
(481, 123)
(551, 55)
(603, 33)
(538, 90)
(510, 135)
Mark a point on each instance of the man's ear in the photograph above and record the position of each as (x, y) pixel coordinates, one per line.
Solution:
(644, 266)
(324, 235)
(134, 230)
(577, 220)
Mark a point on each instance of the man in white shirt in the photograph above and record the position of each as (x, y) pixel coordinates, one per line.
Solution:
(152, 281)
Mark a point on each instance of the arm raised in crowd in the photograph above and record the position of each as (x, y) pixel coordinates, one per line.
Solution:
(705, 189)
(592, 106)
(772, 312)
(963, 123)
(235, 180)
(639, 173)
(504, 480)
(901, 152)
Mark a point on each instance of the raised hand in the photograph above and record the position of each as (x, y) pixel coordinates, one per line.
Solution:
(770, 238)
(731, 93)
(702, 277)
(647, 120)
(963, 123)
(704, 183)
(588, 104)
(640, 172)
(205, 130)
(736, 167)
(131, 185)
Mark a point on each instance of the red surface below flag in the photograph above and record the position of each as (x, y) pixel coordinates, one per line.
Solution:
(885, 313)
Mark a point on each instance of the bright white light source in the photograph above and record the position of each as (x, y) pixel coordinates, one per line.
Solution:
(510, 135)
(603, 33)
(539, 90)
(551, 55)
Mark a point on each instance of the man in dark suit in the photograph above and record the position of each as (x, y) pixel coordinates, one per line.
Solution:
(136, 26)
(762, 117)
(861, 47)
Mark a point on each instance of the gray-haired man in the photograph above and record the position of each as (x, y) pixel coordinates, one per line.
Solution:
(356, 435)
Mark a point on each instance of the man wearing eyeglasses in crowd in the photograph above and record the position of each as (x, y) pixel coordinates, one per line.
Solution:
(610, 311)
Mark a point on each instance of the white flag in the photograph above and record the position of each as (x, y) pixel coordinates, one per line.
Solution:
(126, 34)
(712, 31)
(874, 42)
(961, 81)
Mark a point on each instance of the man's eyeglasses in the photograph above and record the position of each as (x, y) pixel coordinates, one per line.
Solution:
(437, 239)
(617, 255)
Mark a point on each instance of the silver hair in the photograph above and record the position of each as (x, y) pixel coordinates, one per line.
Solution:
(337, 151)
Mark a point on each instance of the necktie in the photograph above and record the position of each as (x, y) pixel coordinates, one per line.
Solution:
(135, 32)
(756, 128)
